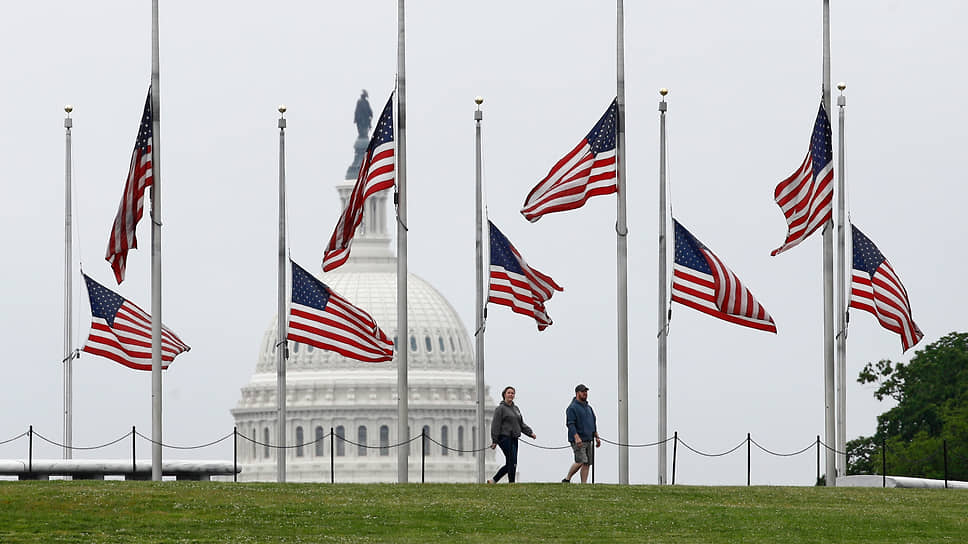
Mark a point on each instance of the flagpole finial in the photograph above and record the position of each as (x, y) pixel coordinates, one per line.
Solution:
(282, 109)
(68, 108)
(841, 86)
(663, 91)
(478, 100)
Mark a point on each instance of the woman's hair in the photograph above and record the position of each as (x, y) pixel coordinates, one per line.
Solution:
(504, 393)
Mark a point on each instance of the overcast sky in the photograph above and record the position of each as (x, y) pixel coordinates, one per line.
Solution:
(744, 80)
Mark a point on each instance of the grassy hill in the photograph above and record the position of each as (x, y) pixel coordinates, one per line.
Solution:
(156, 512)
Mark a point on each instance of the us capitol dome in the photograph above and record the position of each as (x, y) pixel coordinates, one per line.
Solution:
(326, 391)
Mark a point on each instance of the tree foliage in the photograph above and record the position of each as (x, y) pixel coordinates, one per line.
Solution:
(931, 412)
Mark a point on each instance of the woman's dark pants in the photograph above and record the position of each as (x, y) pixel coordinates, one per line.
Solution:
(510, 448)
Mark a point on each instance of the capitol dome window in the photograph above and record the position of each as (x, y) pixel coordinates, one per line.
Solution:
(300, 440)
(452, 348)
(309, 348)
(295, 347)
(460, 440)
(265, 436)
(361, 441)
(413, 343)
(440, 340)
(319, 447)
(255, 447)
(384, 440)
(429, 344)
(340, 441)
(443, 440)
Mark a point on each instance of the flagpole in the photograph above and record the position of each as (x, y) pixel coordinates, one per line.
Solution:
(841, 289)
(282, 347)
(830, 430)
(663, 309)
(156, 420)
(479, 331)
(403, 395)
(621, 231)
(68, 290)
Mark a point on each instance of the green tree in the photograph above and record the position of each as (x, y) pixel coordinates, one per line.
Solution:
(932, 410)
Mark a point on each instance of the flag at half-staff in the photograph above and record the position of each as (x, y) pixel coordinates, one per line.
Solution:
(515, 284)
(121, 331)
(806, 197)
(875, 288)
(376, 174)
(588, 170)
(703, 282)
(123, 232)
(322, 318)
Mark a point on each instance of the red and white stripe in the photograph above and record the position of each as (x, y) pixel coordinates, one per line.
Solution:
(806, 203)
(377, 175)
(524, 294)
(720, 295)
(123, 231)
(128, 342)
(574, 179)
(340, 327)
(884, 296)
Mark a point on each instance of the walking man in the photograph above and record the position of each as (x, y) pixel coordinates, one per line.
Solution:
(580, 419)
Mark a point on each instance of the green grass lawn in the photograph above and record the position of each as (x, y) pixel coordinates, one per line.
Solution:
(118, 511)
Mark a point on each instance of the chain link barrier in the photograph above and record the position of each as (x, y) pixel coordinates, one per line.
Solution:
(808, 448)
(198, 447)
(704, 454)
(448, 448)
(933, 457)
(81, 448)
(19, 436)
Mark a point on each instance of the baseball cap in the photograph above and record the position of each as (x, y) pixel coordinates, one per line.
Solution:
(580, 387)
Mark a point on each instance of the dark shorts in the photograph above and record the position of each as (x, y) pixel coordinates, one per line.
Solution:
(583, 452)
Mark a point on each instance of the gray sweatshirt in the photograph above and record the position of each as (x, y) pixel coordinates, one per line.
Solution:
(508, 422)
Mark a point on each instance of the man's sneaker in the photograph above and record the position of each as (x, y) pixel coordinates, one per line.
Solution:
(565, 481)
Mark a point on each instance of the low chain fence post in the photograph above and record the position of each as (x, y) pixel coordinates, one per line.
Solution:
(423, 453)
(944, 450)
(235, 453)
(30, 449)
(134, 456)
(332, 456)
(884, 463)
(818, 459)
(749, 461)
(675, 447)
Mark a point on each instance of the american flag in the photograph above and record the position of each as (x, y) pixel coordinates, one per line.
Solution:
(376, 174)
(320, 317)
(516, 285)
(703, 282)
(588, 170)
(123, 232)
(805, 197)
(875, 288)
(121, 331)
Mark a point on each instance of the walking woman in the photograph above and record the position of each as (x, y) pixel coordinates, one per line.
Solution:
(506, 427)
